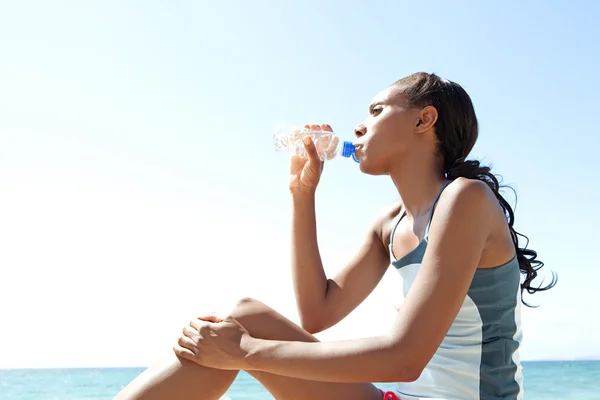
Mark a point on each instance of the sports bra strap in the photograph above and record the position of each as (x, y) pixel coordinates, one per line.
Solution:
(433, 208)
(403, 213)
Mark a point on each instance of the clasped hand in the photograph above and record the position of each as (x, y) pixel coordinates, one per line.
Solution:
(214, 342)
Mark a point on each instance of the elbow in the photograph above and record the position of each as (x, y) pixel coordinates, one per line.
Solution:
(312, 325)
(401, 372)
(398, 373)
(314, 320)
(406, 365)
(312, 329)
(407, 372)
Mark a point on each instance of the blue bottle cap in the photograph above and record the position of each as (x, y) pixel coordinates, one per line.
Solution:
(348, 150)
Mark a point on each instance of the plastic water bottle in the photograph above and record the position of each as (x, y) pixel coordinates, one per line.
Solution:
(328, 144)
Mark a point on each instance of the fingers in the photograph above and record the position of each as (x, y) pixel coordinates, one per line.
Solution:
(185, 348)
(201, 326)
(192, 333)
(309, 144)
(322, 127)
(212, 317)
(311, 150)
(187, 342)
(183, 352)
(229, 318)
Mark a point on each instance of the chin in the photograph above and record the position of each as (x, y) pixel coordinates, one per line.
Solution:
(365, 168)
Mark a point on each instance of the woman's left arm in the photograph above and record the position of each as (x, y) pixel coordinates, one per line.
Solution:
(457, 236)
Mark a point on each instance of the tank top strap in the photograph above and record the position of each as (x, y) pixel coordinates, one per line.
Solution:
(433, 208)
(395, 223)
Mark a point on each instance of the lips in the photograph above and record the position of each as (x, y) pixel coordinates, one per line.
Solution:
(357, 151)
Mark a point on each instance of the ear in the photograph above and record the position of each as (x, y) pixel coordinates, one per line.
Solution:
(427, 119)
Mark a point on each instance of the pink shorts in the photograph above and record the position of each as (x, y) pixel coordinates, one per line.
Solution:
(389, 395)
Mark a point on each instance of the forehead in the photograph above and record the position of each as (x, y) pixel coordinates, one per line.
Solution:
(388, 95)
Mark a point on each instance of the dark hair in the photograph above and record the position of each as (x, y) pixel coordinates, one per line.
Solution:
(457, 129)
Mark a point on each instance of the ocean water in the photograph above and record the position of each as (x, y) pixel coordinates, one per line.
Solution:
(553, 380)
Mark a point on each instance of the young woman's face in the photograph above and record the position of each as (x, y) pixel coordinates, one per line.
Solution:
(387, 133)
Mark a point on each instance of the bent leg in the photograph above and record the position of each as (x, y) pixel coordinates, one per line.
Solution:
(263, 322)
(180, 379)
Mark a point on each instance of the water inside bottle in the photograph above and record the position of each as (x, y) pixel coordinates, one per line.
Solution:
(290, 139)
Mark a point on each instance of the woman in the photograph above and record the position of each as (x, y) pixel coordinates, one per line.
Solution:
(451, 238)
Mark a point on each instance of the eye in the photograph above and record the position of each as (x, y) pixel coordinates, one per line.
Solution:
(376, 109)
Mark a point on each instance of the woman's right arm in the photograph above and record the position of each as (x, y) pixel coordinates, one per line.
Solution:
(323, 302)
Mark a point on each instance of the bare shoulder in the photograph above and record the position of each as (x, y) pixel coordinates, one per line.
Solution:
(465, 194)
(383, 221)
(471, 205)
(468, 206)
(391, 210)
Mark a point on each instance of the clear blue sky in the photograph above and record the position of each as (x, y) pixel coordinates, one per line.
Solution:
(138, 184)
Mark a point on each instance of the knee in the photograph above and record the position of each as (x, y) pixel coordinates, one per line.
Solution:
(247, 306)
(246, 302)
(265, 323)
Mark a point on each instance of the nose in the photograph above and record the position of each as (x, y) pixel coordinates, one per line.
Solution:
(360, 130)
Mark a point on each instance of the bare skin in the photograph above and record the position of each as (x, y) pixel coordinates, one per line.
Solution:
(177, 379)
(287, 359)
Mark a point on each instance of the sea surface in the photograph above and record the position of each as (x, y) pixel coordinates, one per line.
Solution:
(549, 380)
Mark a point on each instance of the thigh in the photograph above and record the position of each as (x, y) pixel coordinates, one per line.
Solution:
(173, 378)
(263, 322)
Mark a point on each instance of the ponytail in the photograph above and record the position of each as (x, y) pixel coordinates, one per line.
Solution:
(528, 262)
(457, 130)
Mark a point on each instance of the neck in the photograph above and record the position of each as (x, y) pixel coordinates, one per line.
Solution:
(418, 181)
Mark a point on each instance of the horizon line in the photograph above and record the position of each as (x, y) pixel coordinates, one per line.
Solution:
(577, 359)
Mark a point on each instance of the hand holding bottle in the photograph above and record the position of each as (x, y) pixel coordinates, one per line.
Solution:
(305, 172)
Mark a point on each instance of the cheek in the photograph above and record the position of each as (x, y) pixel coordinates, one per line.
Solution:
(394, 128)
(378, 145)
